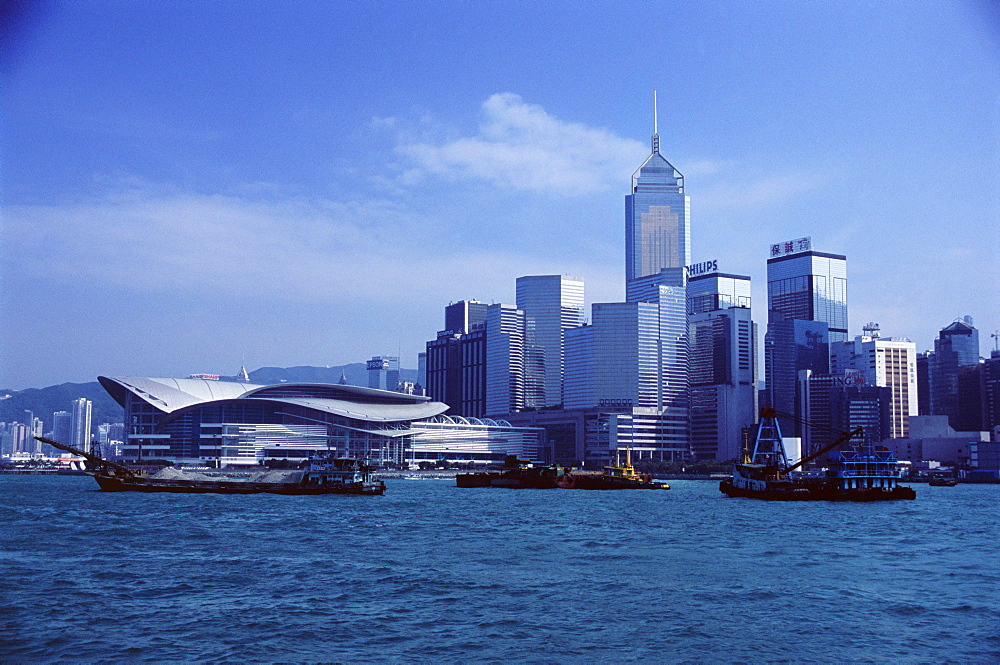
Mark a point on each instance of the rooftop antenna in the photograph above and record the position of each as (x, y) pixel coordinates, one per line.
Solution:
(656, 133)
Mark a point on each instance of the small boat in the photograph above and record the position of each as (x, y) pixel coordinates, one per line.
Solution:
(620, 477)
(324, 474)
(865, 473)
(942, 482)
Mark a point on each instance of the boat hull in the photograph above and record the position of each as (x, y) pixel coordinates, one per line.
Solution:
(818, 492)
(600, 482)
(115, 484)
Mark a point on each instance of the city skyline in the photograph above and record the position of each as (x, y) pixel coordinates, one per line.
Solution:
(201, 188)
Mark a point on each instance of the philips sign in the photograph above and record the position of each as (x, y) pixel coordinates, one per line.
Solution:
(703, 268)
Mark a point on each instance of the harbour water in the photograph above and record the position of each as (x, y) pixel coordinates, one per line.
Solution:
(433, 573)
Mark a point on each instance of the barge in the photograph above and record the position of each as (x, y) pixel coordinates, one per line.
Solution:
(862, 473)
(517, 474)
(324, 474)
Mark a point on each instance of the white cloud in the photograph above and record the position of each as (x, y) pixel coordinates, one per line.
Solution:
(177, 244)
(523, 147)
(746, 193)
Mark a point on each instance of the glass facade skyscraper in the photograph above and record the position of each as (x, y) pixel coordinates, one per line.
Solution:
(657, 218)
(504, 359)
(810, 286)
(715, 291)
(957, 345)
(551, 304)
(790, 346)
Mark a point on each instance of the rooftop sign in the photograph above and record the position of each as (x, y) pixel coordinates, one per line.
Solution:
(791, 246)
(703, 268)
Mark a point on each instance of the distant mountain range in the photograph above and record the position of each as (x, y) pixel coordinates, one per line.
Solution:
(43, 402)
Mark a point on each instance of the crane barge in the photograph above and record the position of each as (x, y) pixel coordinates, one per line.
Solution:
(861, 473)
(324, 474)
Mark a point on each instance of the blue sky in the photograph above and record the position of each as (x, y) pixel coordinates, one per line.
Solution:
(192, 186)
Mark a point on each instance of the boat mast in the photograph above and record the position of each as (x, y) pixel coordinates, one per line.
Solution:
(768, 448)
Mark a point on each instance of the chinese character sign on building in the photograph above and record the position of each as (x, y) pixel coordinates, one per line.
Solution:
(791, 246)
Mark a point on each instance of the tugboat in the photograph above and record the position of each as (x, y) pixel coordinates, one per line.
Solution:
(325, 474)
(517, 474)
(622, 477)
(864, 473)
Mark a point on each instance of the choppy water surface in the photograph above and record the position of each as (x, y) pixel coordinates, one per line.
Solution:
(430, 572)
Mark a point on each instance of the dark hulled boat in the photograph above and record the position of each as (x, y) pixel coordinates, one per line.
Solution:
(864, 473)
(325, 474)
(517, 474)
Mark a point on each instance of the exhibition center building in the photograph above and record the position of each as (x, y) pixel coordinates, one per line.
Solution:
(210, 422)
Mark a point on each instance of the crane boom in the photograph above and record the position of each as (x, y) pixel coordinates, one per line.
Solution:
(120, 468)
(846, 436)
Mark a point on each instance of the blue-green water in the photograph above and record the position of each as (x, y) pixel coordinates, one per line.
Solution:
(433, 573)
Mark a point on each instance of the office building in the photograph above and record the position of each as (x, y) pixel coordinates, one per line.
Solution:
(383, 372)
(972, 401)
(551, 304)
(808, 285)
(657, 217)
(80, 432)
(924, 359)
(889, 362)
(791, 346)
(422, 373)
(957, 345)
(709, 290)
(619, 361)
(616, 385)
(833, 404)
(455, 362)
(991, 408)
(723, 379)
(505, 363)
(464, 316)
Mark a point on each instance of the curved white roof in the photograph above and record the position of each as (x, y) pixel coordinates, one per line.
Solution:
(169, 395)
(175, 395)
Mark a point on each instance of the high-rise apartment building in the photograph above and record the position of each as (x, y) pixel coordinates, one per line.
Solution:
(808, 285)
(552, 304)
(657, 217)
(889, 362)
(80, 411)
(62, 426)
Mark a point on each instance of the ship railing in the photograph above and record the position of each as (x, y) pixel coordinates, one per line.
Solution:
(871, 473)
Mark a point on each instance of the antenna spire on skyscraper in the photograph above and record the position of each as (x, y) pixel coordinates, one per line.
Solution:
(656, 135)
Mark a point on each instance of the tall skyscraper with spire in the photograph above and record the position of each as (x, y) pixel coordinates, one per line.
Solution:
(657, 218)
